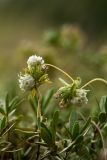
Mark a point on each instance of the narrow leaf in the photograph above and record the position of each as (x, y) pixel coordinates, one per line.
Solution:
(53, 125)
(103, 104)
(3, 123)
(72, 119)
(75, 130)
(48, 98)
(46, 135)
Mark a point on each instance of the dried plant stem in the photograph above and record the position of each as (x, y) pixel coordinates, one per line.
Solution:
(94, 80)
(51, 65)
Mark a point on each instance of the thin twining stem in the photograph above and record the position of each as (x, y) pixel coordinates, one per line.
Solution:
(93, 80)
(51, 65)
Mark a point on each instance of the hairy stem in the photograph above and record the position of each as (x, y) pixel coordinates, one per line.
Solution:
(61, 71)
(94, 80)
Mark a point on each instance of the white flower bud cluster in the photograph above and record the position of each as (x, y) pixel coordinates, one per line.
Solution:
(26, 82)
(35, 60)
(70, 95)
(35, 73)
(80, 97)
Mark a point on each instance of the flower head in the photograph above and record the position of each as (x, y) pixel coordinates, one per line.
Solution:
(34, 75)
(71, 94)
(35, 60)
(26, 82)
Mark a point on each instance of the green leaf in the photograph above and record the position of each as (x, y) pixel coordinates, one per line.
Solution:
(2, 111)
(10, 126)
(72, 119)
(103, 104)
(14, 103)
(46, 135)
(102, 117)
(47, 100)
(53, 124)
(75, 130)
(86, 125)
(3, 123)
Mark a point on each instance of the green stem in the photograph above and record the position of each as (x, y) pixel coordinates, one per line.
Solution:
(39, 109)
(51, 65)
(93, 80)
(39, 119)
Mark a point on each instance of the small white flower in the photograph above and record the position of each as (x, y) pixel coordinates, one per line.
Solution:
(26, 82)
(35, 60)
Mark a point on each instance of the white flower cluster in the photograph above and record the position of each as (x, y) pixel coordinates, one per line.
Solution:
(80, 97)
(70, 95)
(35, 71)
(35, 60)
(26, 82)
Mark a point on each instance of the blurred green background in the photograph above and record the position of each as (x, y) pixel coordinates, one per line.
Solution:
(80, 25)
